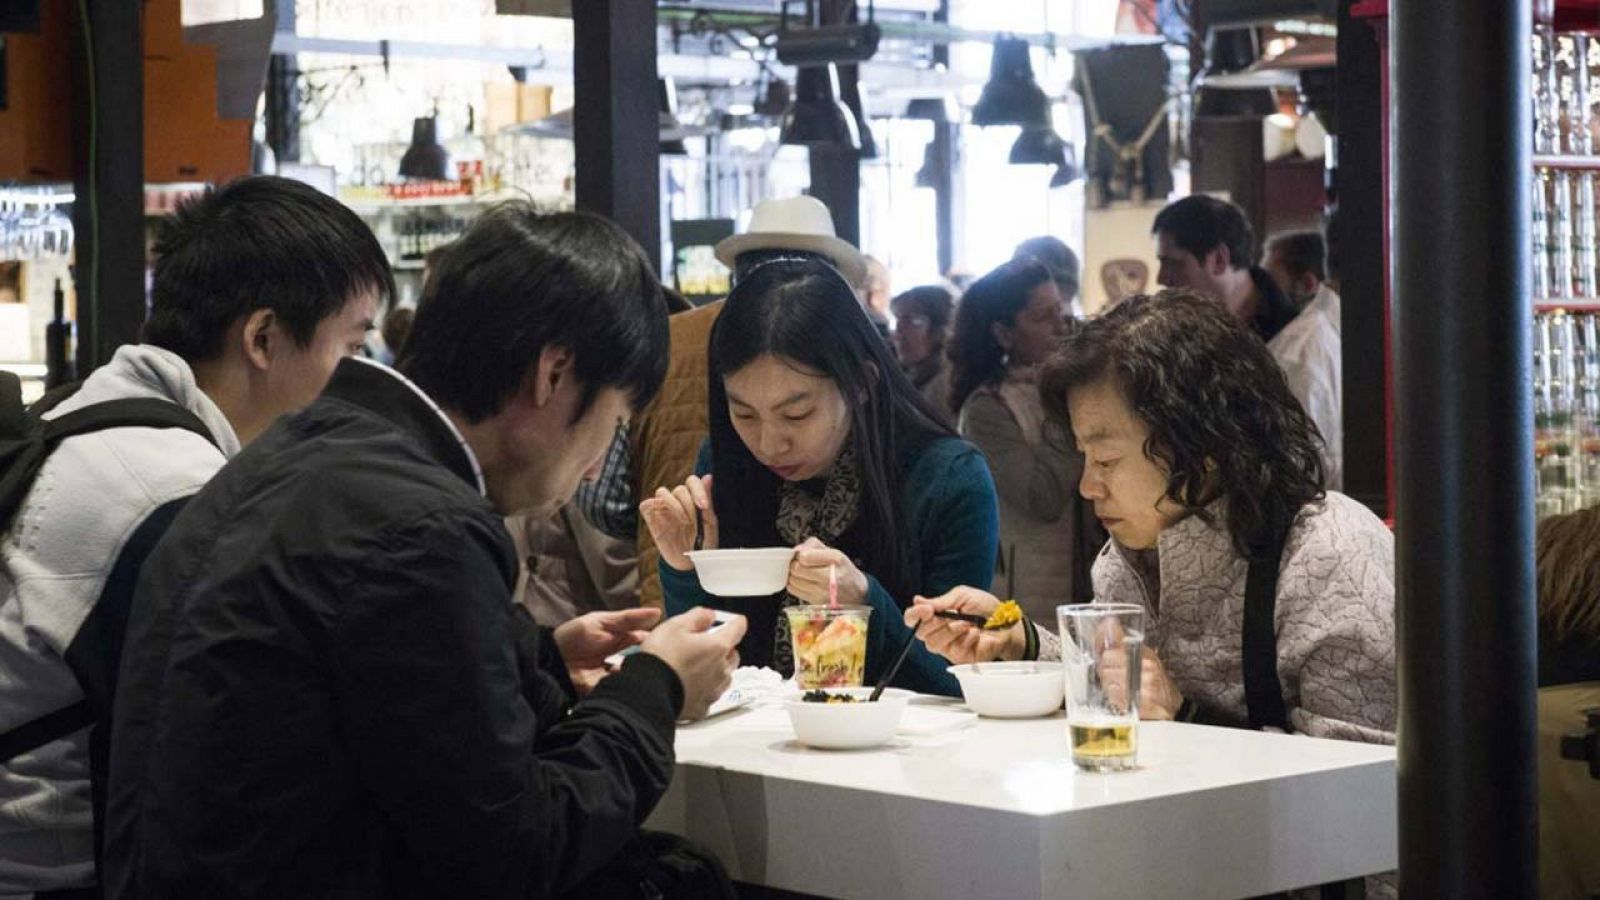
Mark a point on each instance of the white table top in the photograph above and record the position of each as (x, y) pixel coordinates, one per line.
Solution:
(986, 808)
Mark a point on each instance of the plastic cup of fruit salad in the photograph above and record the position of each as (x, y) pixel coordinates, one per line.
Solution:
(830, 645)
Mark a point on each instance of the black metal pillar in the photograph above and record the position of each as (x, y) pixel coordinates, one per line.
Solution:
(108, 217)
(1461, 167)
(282, 107)
(946, 144)
(836, 181)
(1357, 238)
(946, 141)
(615, 120)
(836, 172)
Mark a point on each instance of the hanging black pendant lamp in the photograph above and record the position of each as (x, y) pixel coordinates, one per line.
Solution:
(426, 159)
(933, 109)
(775, 100)
(671, 128)
(928, 175)
(1039, 147)
(1012, 96)
(817, 118)
(1067, 172)
(851, 97)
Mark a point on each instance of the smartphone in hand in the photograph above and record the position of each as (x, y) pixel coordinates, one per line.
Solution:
(614, 661)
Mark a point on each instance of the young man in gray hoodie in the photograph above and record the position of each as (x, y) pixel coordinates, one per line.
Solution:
(260, 288)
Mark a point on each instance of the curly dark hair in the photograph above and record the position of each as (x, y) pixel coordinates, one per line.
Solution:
(976, 358)
(1222, 420)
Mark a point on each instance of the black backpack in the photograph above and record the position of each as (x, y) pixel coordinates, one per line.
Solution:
(26, 441)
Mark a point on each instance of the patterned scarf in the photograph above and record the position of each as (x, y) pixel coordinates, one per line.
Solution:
(805, 511)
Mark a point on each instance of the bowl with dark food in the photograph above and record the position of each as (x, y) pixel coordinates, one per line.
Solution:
(844, 719)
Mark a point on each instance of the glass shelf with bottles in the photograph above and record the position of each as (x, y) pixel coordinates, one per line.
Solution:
(1566, 406)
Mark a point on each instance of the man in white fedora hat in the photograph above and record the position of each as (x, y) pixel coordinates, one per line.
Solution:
(791, 227)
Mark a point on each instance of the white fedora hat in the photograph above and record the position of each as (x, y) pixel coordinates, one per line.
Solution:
(795, 223)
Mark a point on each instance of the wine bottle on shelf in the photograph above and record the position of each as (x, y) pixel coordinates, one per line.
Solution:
(1584, 257)
(1580, 142)
(58, 364)
(1546, 102)
(1555, 435)
(1561, 237)
(1541, 234)
(1588, 408)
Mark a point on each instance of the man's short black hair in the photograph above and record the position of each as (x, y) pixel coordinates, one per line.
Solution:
(1200, 224)
(1302, 252)
(519, 281)
(260, 242)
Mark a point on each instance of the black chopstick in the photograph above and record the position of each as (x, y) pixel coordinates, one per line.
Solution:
(894, 669)
(969, 618)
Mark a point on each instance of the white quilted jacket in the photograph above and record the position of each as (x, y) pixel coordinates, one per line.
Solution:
(1334, 617)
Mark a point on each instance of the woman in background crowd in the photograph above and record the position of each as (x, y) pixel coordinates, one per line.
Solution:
(1010, 321)
(921, 325)
(1063, 266)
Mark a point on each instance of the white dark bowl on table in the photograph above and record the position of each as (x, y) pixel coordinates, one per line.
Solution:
(743, 572)
(1012, 690)
(848, 726)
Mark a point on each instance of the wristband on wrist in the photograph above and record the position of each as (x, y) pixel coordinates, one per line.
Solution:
(1030, 640)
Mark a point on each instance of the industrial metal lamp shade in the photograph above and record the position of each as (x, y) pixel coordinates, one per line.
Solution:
(667, 105)
(817, 118)
(1039, 147)
(775, 102)
(932, 109)
(869, 146)
(928, 175)
(425, 158)
(1068, 171)
(1011, 97)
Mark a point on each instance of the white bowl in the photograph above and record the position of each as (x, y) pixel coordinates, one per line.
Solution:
(848, 726)
(743, 572)
(1012, 690)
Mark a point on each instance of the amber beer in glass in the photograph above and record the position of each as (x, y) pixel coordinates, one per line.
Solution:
(1100, 652)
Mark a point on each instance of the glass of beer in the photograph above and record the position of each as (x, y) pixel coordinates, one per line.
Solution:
(1100, 651)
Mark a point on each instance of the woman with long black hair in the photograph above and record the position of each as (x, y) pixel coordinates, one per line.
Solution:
(818, 441)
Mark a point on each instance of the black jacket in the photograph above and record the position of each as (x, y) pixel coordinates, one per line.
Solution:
(327, 690)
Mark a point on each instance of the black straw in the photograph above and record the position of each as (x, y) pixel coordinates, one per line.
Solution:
(895, 669)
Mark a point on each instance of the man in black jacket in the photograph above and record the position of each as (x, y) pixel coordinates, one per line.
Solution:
(327, 689)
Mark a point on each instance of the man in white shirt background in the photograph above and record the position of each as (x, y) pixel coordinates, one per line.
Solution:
(1309, 348)
(1206, 245)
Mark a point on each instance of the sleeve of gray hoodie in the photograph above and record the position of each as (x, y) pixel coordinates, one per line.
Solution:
(1335, 620)
(1039, 478)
